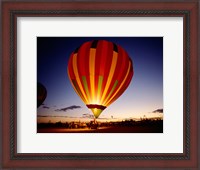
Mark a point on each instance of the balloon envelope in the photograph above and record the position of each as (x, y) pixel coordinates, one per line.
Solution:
(99, 71)
(41, 94)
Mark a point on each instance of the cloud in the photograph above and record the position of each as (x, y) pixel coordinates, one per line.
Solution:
(158, 111)
(46, 107)
(105, 118)
(60, 116)
(87, 115)
(50, 116)
(68, 108)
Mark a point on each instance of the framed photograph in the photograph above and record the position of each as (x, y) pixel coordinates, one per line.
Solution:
(100, 71)
(100, 85)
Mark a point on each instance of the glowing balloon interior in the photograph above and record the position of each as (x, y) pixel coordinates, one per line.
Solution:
(99, 71)
(41, 94)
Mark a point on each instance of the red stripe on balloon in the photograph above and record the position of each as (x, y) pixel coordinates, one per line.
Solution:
(83, 63)
(98, 66)
(103, 61)
(108, 61)
(70, 67)
(116, 72)
(124, 66)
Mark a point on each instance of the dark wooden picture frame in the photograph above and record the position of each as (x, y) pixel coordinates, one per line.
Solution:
(187, 10)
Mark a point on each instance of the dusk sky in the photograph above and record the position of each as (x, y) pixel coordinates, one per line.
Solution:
(143, 96)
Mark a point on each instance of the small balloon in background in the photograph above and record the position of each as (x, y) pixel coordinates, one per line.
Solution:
(41, 94)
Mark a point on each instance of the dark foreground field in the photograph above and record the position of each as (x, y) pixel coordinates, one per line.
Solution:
(141, 127)
(104, 130)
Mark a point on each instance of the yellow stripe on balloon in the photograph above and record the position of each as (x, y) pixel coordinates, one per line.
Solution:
(113, 88)
(100, 81)
(110, 76)
(75, 69)
(92, 73)
(121, 85)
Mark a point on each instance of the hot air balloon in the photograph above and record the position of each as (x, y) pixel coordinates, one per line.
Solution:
(41, 94)
(99, 71)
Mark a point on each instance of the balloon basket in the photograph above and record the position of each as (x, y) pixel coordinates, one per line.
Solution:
(94, 124)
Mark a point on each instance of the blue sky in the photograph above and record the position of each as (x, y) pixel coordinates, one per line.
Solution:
(143, 96)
